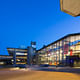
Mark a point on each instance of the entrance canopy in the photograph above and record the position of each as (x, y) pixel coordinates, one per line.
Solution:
(71, 7)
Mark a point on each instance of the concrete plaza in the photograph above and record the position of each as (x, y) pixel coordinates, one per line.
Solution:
(28, 74)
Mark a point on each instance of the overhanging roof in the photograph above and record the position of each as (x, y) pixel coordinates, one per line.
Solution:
(71, 7)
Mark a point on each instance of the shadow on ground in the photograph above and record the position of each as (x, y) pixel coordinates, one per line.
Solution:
(68, 70)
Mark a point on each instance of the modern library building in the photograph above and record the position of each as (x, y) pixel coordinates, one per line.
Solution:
(65, 51)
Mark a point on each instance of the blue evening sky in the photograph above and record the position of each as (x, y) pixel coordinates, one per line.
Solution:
(22, 21)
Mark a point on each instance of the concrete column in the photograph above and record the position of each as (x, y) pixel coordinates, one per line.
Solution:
(63, 52)
(30, 55)
(14, 58)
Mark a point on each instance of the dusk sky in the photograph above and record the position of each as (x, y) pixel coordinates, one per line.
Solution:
(23, 21)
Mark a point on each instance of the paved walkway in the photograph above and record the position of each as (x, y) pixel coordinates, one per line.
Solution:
(27, 74)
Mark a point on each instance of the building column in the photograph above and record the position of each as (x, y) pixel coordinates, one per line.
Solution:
(63, 52)
(59, 52)
(14, 58)
(30, 55)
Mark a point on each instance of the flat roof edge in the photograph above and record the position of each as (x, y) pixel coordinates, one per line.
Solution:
(59, 40)
(16, 48)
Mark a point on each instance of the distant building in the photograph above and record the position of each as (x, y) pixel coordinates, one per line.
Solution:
(5, 60)
(16, 57)
(19, 55)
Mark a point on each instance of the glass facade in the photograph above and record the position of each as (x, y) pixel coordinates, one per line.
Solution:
(57, 52)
